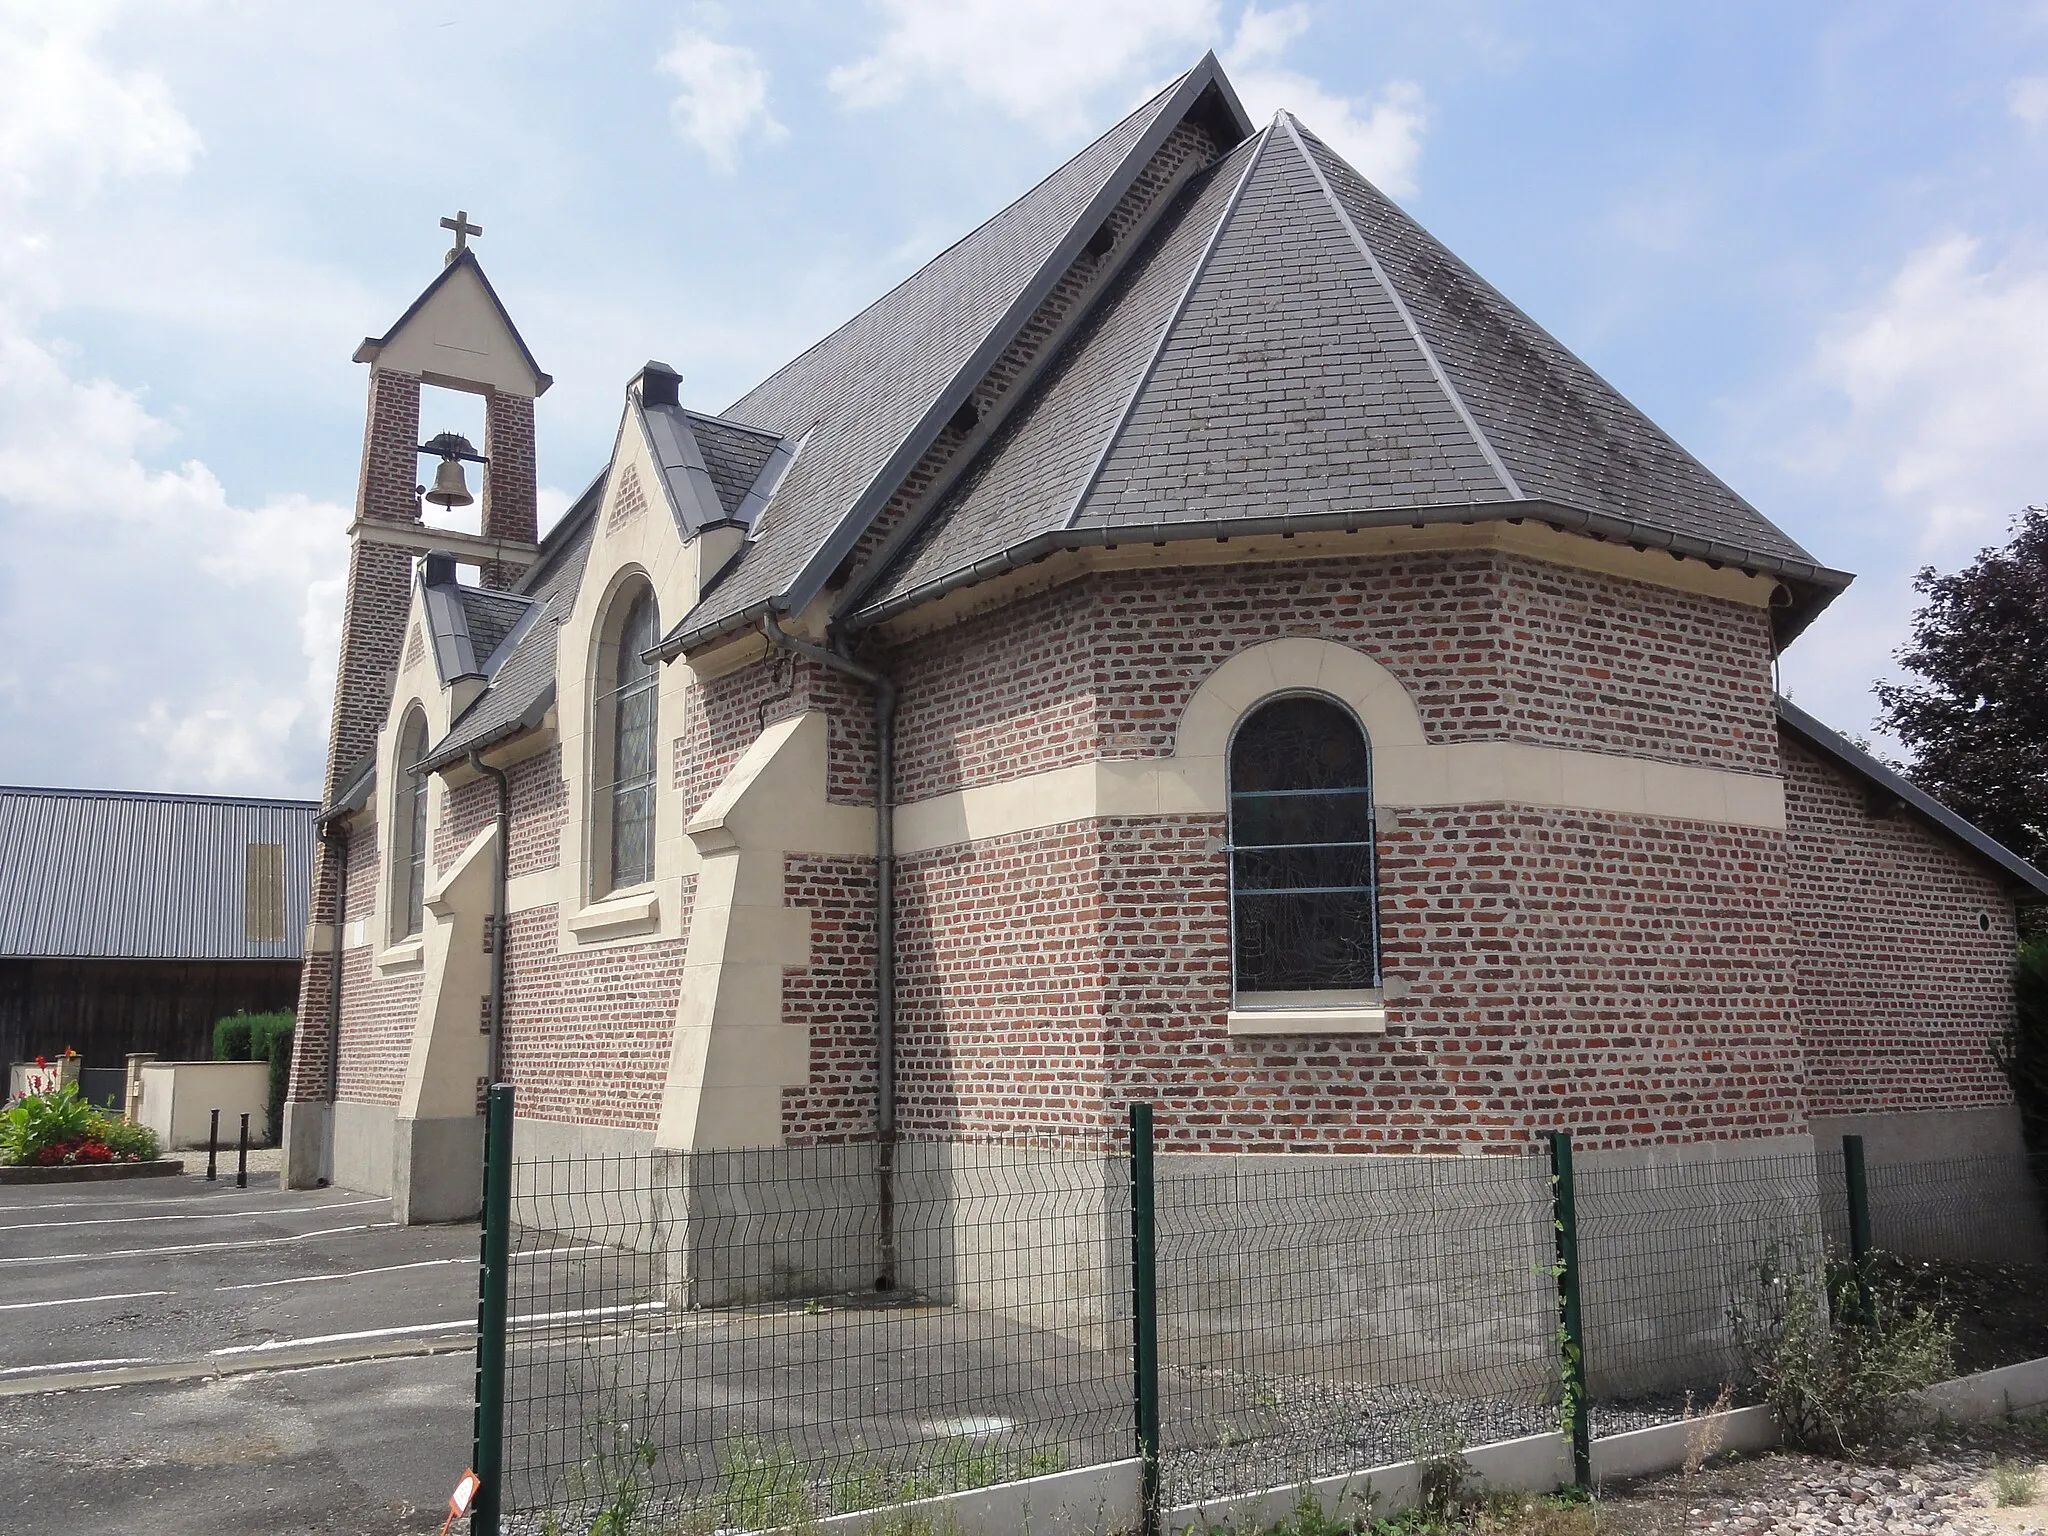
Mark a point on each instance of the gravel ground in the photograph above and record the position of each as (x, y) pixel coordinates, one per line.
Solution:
(1940, 1487)
(1228, 1433)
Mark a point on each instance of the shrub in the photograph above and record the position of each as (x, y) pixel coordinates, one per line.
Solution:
(280, 1078)
(126, 1138)
(2022, 1051)
(231, 1038)
(1840, 1378)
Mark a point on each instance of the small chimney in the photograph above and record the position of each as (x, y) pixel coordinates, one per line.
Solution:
(440, 570)
(660, 385)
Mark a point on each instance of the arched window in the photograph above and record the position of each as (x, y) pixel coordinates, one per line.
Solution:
(626, 730)
(1304, 916)
(409, 853)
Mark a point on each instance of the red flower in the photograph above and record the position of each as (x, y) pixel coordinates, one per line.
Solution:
(40, 1062)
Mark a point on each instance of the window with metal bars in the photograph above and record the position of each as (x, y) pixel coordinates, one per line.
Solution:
(630, 700)
(411, 853)
(1303, 878)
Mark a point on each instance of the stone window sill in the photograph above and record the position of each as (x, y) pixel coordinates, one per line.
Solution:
(406, 955)
(617, 917)
(1312, 1013)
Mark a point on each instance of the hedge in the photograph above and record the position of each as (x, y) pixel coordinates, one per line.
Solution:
(260, 1037)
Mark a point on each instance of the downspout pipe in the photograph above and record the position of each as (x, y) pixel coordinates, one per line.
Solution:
(885, 922)
(496, 924)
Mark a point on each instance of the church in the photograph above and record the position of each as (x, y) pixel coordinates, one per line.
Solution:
(1195, 642)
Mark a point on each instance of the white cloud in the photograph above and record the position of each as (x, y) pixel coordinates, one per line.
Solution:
(1382, 139)
(724, 96)
(151, 645)
(147, 620)
(2029, 100)
(1041, 61)
(67, 120)
(1945, 381)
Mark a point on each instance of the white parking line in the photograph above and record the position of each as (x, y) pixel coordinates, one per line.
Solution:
(388, 1269)
(71, 1365)
(79, 1301)
(129, 1221)
(459, 1325)
(143, 1253)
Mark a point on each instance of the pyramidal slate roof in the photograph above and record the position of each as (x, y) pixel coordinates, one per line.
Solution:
(1289, 351)
(868, 400)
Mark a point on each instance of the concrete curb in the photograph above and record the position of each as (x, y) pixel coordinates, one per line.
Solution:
(1098, 1498)
(457, 1338)
(88, 1173)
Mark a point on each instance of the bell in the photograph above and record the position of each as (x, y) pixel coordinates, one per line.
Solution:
(450, 489)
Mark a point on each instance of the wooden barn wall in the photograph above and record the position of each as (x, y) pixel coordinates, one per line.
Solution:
(103, 1009)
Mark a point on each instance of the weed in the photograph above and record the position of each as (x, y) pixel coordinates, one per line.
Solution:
(617, 1475)
(1704, 1436)
(1839, 1378)
(761, 1487)
(1436, 1444)
(2014, 1483)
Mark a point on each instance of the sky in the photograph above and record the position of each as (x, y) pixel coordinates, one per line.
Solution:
(1810, 241)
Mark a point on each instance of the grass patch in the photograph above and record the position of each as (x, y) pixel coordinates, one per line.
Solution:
(2014, 1484)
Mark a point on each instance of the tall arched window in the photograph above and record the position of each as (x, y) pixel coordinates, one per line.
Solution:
(409, 854)
(626, 721)
(1304, 915)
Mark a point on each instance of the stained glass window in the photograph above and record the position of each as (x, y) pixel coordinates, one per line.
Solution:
(1304, 916)
(412, 822)
(632, 704)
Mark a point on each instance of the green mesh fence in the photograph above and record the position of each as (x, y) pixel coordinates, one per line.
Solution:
(756, 1340)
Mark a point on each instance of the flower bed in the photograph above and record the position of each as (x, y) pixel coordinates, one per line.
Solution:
(60, 1128)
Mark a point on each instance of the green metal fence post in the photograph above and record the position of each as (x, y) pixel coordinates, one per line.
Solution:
(1571, 1332)
(1145, 1315)
(487, 1457)
(1858, 1183)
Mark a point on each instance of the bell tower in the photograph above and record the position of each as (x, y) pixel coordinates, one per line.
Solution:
(455, 335)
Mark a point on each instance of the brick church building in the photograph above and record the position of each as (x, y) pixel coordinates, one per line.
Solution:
(1193, 641)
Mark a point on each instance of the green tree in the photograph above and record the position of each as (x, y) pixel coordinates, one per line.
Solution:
(1977, 723)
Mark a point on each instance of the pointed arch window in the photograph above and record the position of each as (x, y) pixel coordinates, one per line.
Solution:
(1303, 874)
(409, 857)
(626, 719)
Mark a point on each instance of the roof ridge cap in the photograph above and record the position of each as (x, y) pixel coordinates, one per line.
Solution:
(1436, 368)
(1180, 308)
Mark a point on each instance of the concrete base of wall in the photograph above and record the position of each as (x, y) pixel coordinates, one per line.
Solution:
(1671, 1237)
(1983, 1205)
(308, 1142)
(437, 1169)
(361, 1155)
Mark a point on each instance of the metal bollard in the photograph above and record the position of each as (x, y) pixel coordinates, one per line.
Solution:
(242, 1155)
(212, 1145)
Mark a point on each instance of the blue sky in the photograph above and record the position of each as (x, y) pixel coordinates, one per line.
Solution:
(1809, 240)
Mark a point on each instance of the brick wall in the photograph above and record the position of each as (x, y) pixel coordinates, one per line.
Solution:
(1488, 646)
(511, 488)
(834, 998)
(587, 1036)
(539, 800)
(1901, 985)
(1620, 976)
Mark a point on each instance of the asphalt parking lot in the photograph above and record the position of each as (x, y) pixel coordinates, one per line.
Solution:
(183, 1357)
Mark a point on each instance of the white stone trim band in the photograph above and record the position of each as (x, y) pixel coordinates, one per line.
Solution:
(1409, 773)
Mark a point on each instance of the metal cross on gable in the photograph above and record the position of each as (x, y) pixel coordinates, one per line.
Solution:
(463, 230)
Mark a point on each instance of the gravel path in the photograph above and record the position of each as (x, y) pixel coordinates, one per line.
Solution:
(1940, 1491)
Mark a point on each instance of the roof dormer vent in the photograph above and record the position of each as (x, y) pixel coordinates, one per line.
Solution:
(660, 384)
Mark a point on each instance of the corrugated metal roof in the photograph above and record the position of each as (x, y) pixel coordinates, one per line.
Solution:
(113, 874)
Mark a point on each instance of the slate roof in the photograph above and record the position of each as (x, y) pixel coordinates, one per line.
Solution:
(111, 874)
(1290, 350)
(522, 683)
(734, 456)
(869, 398)
(1839, 749)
